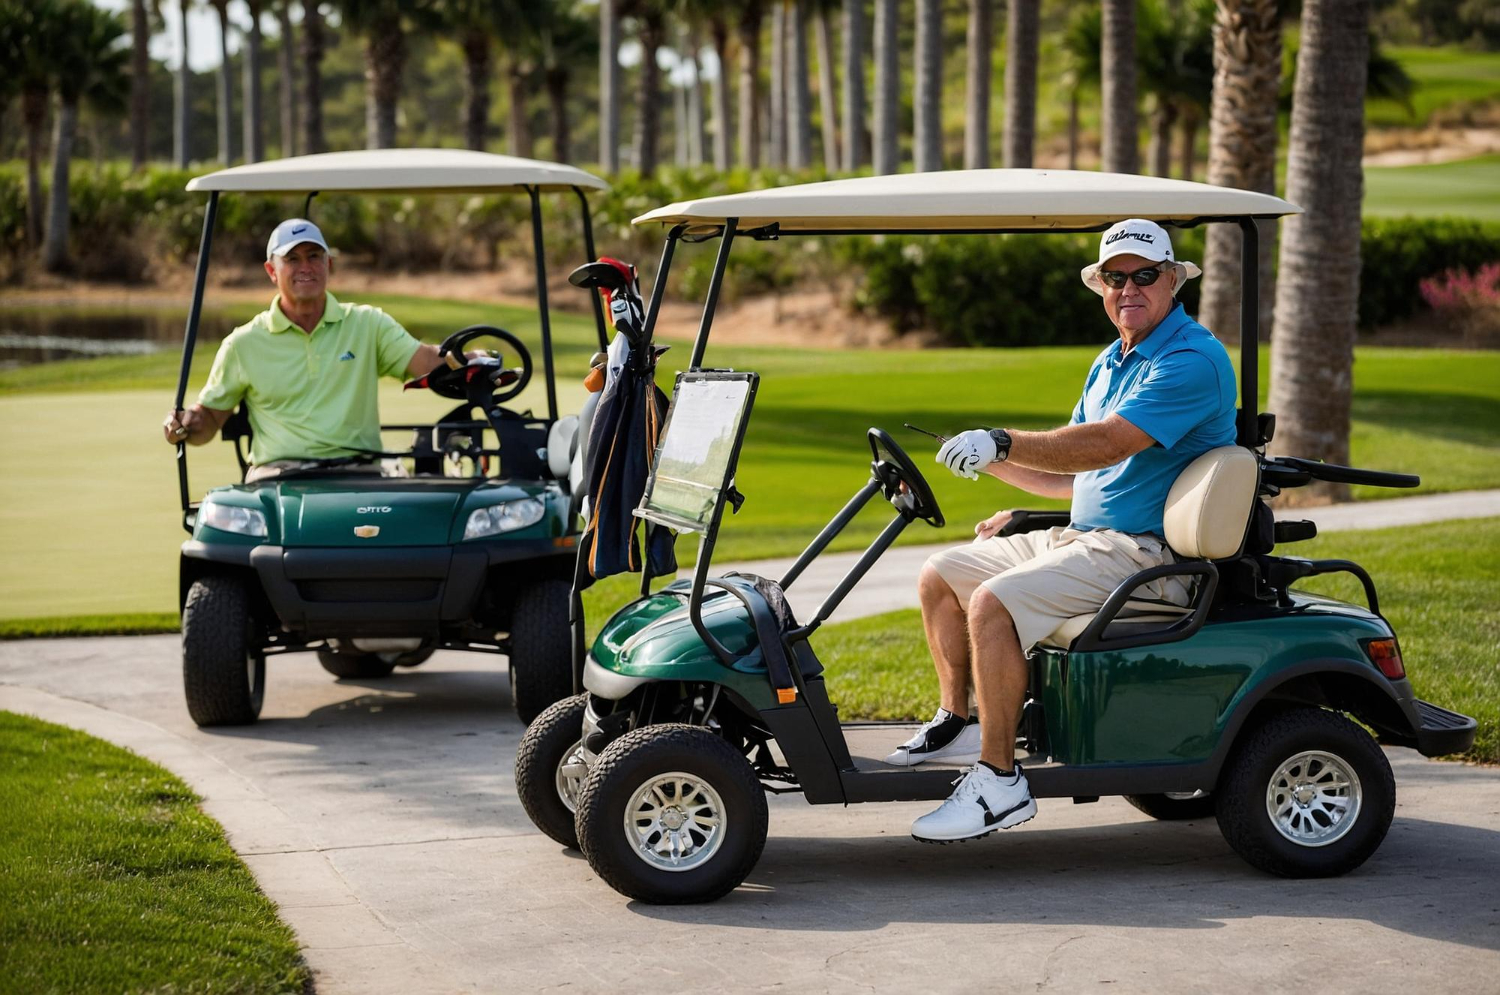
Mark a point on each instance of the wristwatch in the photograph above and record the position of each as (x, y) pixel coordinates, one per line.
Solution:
(1002, 443)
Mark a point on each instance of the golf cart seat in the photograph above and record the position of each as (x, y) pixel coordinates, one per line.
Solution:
(1207, 518)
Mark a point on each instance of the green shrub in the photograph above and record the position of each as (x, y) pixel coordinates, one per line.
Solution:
(1397, 254)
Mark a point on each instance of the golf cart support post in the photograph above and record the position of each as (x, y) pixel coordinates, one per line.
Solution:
(426, 170)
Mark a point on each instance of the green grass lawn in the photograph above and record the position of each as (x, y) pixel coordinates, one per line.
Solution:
(112, 880)
(1437, 587)
(1468, 188)
(1445, 77)
(88, 505)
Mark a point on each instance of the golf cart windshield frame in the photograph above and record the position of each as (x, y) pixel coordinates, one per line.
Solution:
(1247, 427)
(190, 333)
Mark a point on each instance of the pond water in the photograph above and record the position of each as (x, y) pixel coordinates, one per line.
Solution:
(31, 335)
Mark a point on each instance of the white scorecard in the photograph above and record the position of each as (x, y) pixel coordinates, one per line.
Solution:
(695, 458)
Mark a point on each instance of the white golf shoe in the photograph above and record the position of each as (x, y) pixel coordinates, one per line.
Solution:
(947, 738)
(982, 803)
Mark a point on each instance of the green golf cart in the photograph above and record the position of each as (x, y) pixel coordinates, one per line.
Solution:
(701, 697)
(465, 542)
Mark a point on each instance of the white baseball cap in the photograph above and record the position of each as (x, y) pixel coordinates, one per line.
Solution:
(293, 232)
(1136, 237)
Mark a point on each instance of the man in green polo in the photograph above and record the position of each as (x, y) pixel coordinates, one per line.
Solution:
(308, 365)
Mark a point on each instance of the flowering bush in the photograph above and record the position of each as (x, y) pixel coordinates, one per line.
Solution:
(1470, 301)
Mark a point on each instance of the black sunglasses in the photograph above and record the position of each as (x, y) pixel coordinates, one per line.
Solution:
(1141, 277)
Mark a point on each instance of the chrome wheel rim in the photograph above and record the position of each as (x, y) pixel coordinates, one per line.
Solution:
(675, 821)
(570, 775)
(1313, 798)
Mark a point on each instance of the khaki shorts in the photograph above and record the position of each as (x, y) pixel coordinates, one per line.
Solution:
(1046, 577)
(275, 468)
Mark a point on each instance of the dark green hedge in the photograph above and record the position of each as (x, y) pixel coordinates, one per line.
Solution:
(1398, 253)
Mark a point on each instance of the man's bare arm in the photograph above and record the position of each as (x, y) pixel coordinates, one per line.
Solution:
(423, 361)
(201, 425)
(1077, 448)
(1042, 483)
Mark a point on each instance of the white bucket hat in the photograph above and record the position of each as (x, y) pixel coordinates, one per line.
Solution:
(291, 233)
(1137, 237)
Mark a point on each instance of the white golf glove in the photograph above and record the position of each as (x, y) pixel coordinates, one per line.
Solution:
(968, 452)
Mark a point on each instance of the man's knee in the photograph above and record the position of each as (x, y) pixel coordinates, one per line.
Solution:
(987, 611)
(932, 589)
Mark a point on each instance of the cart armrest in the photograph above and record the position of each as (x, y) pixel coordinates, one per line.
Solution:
(1035, 521)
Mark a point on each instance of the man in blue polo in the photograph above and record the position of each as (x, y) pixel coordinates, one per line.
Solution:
(1161, 395)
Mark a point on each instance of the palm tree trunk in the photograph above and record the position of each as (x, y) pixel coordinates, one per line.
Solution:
(1163, 123)
(225, 87)
(696, 130)
(748, 31)
(609, 86)
(34, 117)
(1242, 136)
(180, 151)
(1317, 299)
(254, 137)
(887, 146)
(679, 124)
(312, 64)
(286, 83)
(519, 140)
(477, 67)
(648, 114)
(1022, 28)
(1117, 69)
(140, 84)
(927, 96)
(827, 97)
(55, 248)
(558, 78)
(981, 48)
(1187, 155)
(778, 85)
(1073, 126)
(799, 94)
(723, 148)
(856, 138)
(385, 59)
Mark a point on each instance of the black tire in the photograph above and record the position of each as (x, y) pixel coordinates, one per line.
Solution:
(540, 782)
(362, 666)
(411, 658)
(1169, 809)
(541, 648)
(630, 764)
(223, 663)
(1245, 787)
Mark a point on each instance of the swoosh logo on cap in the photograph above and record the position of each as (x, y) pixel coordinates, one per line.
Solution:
(299, 231)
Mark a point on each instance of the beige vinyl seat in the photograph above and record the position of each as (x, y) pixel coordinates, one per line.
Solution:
(1207, 515)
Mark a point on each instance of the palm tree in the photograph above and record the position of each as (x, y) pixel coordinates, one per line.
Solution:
(385, 25)
(286, 81)
(1022, 26)
(856, 139)
(140, 83)
(777, 121)
(254, 138)
(180, 151)
(827, 98)
(693, 44)
(747, 30)
(32, 30)
(474, 24)
(1082, 42)
(609, 86)
(1242, 140)
(1176, 62)
(927, 91)
(886, 146)
(1117, 69)
(92, 66)
(566, 40)
(981, 46)
(225, 85)
(313, 138)
(1312, 352)
(650, 17)
(718, 33)
(798, 93)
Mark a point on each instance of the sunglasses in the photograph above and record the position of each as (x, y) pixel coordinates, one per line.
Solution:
(1141, 278)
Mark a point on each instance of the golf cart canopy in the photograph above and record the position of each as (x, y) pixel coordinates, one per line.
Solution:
(971, 200)
(391, 170)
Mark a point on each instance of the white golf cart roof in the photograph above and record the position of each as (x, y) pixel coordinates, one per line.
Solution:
(972, 199)
(392, 170)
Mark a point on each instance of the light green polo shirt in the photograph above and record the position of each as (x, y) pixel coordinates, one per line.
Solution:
(311, 395)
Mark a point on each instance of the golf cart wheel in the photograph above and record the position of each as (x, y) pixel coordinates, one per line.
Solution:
(223, 667)
(1307, 793)
(1173, 806)
(672, 814)
(410, 658)
(548, 779)
(541, 648)
(366, 666)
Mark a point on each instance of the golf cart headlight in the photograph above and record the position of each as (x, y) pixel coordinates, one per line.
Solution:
(505, 517)
(228, 518)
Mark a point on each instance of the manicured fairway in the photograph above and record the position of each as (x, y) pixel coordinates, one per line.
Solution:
(112, 880)
(1468, 188)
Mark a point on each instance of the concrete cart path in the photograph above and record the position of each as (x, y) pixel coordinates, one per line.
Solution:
(892, 583)
(381, 817)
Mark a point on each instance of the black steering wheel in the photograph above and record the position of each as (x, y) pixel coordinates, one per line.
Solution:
(893, 468)
(481, 380)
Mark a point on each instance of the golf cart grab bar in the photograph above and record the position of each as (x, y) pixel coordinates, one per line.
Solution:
(1093, 640)
(1335, 473)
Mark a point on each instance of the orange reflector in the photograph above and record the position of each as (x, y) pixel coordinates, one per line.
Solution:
(565, 541)
(1386, 655)
(786, 695)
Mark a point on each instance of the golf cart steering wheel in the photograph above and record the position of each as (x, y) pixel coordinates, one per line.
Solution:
(892, 467)
(487, 374)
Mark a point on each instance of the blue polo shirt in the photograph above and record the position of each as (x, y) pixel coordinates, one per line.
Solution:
(1178, 387)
